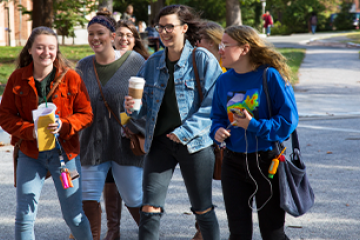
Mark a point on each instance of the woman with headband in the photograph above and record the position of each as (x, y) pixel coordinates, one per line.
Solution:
(103, 144)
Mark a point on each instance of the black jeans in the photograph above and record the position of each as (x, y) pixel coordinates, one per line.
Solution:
(196, 169)
(238, 187)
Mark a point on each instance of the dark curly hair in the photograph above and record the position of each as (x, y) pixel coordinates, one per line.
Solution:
(186, 15)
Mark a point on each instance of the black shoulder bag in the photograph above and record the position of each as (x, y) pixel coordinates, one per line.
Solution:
(296, 194)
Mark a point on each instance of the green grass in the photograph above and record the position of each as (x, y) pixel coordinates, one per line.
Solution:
(8, 56)
(75, 53)
(295, 57)
(355, 37)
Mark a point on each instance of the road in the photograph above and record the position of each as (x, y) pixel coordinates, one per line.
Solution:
(329, 131)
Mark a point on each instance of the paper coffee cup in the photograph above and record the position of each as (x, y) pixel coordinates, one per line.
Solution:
(136, 87)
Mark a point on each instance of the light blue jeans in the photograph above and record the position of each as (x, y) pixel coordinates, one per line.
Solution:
(30, 177)
(268, 30)
(128, 180)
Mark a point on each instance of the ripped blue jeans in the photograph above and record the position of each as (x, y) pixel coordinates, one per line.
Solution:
(196, 169)
(30, 177)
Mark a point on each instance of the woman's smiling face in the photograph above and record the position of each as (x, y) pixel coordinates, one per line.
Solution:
(175, 38)
(124, 39)
(44, 50)
(99, 37)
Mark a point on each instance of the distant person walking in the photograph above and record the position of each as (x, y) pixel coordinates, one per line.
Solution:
(129, 14)
(313, 22)
(42, 73)
(153, 36)
(268, 22)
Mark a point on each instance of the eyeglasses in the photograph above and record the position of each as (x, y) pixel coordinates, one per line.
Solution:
(168, 28)
(222, 46)
(129, 35)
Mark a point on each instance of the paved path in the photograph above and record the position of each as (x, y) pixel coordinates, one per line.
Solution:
(328, 85)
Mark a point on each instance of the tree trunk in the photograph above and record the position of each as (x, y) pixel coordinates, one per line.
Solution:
(43, 13)
(233, 13)
(106, 3)
(156, 6)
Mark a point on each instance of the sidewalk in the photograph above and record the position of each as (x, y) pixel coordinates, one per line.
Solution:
(329, 88)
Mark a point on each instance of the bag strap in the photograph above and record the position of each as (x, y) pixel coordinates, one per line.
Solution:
(294, 135)
(104, 100)
(56, 84)
(197, 75)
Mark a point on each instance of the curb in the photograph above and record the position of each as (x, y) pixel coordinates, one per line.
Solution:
(328, 116)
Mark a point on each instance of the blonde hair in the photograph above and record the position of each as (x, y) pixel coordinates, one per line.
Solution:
(212, 31)
(261, 52)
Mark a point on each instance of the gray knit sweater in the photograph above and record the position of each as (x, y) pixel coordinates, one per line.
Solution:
(102, 140)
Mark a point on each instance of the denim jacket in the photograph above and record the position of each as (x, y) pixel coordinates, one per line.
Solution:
(195, 116)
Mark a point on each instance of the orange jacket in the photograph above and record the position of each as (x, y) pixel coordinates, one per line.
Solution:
(20, 98)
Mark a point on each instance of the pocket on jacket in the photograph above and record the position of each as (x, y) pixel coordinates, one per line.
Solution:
(21, 97)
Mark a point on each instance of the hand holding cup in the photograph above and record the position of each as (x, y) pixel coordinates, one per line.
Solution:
(133, 100)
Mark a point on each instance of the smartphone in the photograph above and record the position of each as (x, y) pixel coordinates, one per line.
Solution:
(238, 112)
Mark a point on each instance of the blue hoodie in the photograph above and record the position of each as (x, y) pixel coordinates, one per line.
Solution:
(245, 91)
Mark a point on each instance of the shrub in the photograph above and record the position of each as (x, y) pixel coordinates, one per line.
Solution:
(344, 20)
(280, 29)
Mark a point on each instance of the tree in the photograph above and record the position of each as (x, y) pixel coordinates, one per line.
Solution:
(233, 13)
(344, 19)
(42, 13)
(69, 14)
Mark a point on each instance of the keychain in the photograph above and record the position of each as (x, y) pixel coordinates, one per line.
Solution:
(275, 164)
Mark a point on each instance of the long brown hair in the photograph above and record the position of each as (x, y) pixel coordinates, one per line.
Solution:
(186, 15)
(212, 31)
(139, 47)
(261, 52)
(25, 58)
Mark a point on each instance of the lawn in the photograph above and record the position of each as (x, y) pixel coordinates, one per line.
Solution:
(355, 37)
(75, 53)
(295, 57)
(8, 56)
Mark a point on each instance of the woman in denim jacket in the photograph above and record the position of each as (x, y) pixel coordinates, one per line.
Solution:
(178, 124)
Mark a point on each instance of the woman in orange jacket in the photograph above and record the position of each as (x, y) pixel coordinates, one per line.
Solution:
(43, 75)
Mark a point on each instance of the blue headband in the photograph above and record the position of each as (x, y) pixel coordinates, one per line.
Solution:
(103, 21)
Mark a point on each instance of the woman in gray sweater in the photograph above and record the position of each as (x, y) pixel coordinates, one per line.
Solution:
(104, 144)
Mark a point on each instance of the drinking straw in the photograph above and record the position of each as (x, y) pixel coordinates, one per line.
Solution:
(45, 101)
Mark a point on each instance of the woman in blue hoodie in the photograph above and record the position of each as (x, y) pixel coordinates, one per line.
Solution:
(177, 122)
(240, 119)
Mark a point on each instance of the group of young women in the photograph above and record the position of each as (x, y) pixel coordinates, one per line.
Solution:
(179, 128)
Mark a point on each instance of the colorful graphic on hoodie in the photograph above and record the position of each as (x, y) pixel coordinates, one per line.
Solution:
(248, 100)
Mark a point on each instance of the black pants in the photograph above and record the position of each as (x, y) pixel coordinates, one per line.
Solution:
(196, 169)
(238, 187)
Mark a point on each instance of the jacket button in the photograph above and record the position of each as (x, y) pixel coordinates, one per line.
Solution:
(58, 112)
(69, 93)
(55, 96)
(157, 101)
(64, 140)
(70, 155)
(184, 139)
(152, 119)
(162, 85)
(21, 92)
